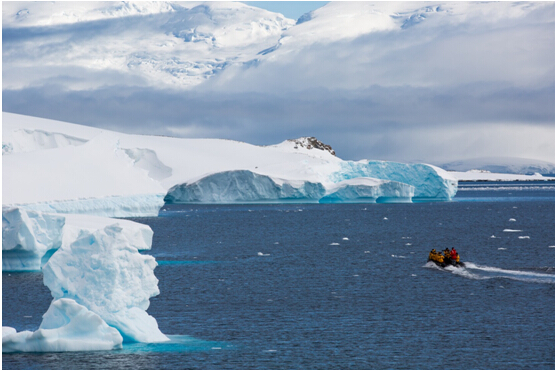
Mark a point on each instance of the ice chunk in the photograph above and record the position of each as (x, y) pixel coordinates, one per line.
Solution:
(66, 326)
(429, 182)
(244, 186)
(103, 272)
(27, 236)
(371, 190)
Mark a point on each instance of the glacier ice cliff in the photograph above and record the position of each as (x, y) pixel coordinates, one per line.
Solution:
(109, 206)
(66, 326)
(101, 271)
(368, 190)
(242, 186)
(430, 182)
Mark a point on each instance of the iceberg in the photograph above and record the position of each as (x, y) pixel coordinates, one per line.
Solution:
(368, 190)
(430, 182)
(242, 186)
(29, 238)
(104, 273)
(66, 327)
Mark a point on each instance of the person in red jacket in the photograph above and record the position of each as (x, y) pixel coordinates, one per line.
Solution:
(453, 254)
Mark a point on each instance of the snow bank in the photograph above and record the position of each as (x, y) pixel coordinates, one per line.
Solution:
(369, 190)
(29, 238)
(66, 327)
(101, 271)
(429, 182)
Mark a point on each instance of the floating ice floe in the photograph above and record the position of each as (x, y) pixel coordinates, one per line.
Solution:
(512, 220)
(66, 326)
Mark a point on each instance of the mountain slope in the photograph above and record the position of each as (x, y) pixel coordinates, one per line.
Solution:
(178, 44)
(507, 165)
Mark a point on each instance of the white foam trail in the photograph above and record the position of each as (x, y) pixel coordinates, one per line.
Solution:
(493, 272)
(478, 272)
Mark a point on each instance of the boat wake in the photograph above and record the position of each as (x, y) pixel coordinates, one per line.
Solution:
(482, 272)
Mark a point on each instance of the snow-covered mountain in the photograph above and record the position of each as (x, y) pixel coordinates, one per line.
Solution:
(358, 74)
(182, 44)
(506, 165)
(178, 44)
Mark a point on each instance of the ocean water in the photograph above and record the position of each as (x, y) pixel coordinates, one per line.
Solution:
(338, 287)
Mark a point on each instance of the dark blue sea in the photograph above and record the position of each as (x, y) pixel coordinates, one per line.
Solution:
(338, 287)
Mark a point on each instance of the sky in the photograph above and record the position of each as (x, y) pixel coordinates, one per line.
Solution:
(290, 9)
(405, 82)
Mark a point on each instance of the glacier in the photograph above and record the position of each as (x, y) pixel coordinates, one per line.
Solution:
(113, 174)
(66, 326)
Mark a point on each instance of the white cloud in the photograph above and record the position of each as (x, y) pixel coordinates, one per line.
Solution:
(460, 81)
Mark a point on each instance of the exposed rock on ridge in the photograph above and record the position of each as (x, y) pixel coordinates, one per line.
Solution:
(310, 143)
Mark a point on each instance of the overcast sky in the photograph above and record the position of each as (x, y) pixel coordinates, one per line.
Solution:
(434, 86)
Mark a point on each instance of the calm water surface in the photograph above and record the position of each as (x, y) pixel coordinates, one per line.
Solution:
(338, 287)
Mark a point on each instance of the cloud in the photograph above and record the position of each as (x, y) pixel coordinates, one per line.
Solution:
(398, 123)
(439, 90)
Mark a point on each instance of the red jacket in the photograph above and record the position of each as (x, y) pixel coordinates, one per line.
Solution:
(453, 254)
